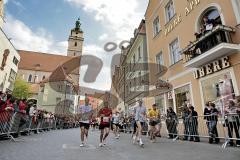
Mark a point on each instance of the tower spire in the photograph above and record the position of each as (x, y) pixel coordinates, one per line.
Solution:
(78, 24)
(75, 40)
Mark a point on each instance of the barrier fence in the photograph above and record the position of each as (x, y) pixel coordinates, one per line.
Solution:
(224, 129)
(13, 124)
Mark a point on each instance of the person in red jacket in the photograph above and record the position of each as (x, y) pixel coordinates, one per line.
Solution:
(105, 116)
(22, 106)
(8, 105)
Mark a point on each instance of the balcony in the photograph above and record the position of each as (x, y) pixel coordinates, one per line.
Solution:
(212, 45)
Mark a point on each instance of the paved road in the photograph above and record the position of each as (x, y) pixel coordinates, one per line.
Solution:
(64, 145)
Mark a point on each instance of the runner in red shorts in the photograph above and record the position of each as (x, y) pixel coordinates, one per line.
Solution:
(105, 115)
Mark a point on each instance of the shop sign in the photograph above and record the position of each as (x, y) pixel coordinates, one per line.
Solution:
(192, 4)
(173, 25)
(213, 67)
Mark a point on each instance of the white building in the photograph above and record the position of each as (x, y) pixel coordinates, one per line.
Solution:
(9, 59)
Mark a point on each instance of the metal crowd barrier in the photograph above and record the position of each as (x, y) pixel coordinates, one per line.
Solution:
(7, 123)
(213, 127)
(232, 127)
(15, 123)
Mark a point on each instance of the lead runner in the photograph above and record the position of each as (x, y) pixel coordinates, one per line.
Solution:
(85, 112)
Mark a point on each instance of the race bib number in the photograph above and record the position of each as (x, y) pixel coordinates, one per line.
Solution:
(106, 119)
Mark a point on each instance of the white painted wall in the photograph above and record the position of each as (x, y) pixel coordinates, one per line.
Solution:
(4, 75)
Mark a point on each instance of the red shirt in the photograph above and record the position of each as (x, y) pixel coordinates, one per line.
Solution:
(106, 112)
(7, 104)
(22, 106)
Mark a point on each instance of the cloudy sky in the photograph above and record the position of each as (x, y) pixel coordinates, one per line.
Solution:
(44, 25)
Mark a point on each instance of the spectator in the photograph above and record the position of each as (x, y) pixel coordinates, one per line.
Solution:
(171, 122)
(208, 23)
(207, 112)
(232, 121)
(193, 125)
(8, 104)
(185, 116)
(213, 119)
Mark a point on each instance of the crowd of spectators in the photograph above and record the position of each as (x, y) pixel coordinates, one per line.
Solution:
(26, 117)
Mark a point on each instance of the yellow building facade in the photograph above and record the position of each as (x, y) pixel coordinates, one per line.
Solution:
(202, 57)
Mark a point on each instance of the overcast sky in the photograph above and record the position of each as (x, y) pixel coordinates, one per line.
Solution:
(44, 26)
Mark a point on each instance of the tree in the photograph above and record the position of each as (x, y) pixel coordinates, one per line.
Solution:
(21, 89)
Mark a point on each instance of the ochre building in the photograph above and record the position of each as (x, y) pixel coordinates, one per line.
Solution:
(198, 42)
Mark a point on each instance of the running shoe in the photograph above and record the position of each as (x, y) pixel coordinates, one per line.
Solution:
(82, 145)
(140, 142)
(134, 139)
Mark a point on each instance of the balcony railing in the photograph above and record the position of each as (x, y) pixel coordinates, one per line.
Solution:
(219, 34)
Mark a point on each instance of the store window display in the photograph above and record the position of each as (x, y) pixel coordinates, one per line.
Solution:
(182, 97)
(219, 90)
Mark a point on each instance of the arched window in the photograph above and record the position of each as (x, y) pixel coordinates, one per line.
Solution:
(212, 14)
(75, 44)
(35, 78)
(30, 78)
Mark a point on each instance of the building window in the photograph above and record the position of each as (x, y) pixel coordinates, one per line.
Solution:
(169, 10)
(159, 100)
(75, 44)
(30, 78)
(140, 78)
(182, 97)
(58, 100)
(219, 90)
(156, 26)
(43, 77)
(139, 53)
(12, 76)
(134, 59)
(130, 88)
(209, 19)
(15, 61)
(159, 61)
(35, 79)
(135, 84)
(174, 51)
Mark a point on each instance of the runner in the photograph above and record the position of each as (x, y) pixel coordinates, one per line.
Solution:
(116, 120)
(140, 118)
(154, 122)
(85, 112)
(105, 115)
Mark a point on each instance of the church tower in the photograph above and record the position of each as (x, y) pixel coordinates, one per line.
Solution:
(1, 12)
(75, 40)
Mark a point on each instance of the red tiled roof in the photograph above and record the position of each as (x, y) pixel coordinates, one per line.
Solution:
(42, 61)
